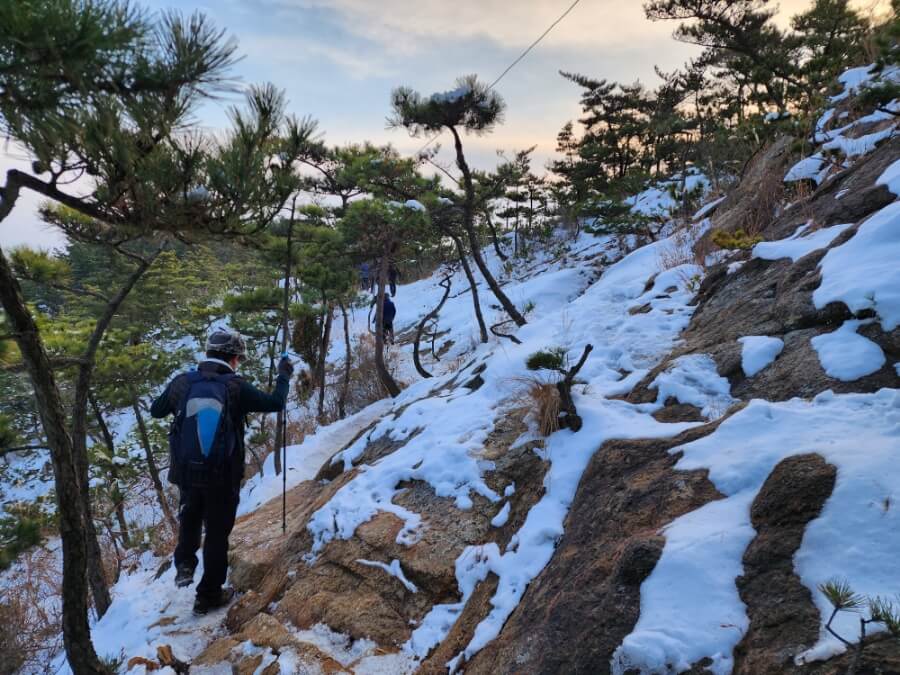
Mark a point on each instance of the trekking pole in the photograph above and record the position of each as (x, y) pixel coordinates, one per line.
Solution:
(284, 355)
(284, 468)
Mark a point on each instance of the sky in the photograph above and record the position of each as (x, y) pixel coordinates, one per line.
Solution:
(338, 61)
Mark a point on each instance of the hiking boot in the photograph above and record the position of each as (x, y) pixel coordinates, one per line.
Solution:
(184, 576)
(204, 603)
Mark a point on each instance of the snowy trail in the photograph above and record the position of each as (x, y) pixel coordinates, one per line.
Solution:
(148, 612)
(305, 460)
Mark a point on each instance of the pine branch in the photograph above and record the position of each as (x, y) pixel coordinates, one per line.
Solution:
(21, 448)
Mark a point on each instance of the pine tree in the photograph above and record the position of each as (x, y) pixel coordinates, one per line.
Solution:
(378, 229)
(87, 91)
(471, 107)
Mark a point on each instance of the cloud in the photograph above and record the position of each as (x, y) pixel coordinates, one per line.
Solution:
(293, 52)
(404, 26)
(415, 26)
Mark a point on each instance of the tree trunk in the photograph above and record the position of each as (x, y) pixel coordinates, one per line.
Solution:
(151, 465)
(99, 588)
(428, 317)
(469, 226)
(113, 472)
(96, 577)
(473, 286)
(76, 629)
(389, 383)
(323, 353)
(494, 238)
(345, 387)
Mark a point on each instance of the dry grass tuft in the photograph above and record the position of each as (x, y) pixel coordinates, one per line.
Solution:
(31, 613)
(540, 400)
(768, 198)
(365, 386)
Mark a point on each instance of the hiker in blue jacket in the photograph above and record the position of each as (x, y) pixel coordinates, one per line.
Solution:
(210, 405)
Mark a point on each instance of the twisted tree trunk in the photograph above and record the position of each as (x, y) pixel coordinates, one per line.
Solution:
(473, 286)
(99, 587)
(469, 226)
(73, 534)
(428, 317)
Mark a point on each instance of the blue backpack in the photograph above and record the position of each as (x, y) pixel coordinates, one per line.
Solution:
(203, 437)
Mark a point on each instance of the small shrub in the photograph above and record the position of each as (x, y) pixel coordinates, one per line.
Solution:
(561, 405)
(307, 333)
(738, 239)
(30, 613)
(547, 359)
(19, 531)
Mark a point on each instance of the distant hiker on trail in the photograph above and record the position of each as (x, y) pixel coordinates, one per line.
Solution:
(206, 443)
(364, 281)
(393, 275)
(388, 312)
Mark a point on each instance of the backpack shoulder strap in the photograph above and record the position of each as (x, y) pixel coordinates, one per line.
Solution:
(233, 383)
(178, 389)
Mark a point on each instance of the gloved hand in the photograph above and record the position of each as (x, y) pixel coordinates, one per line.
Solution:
(285, 367)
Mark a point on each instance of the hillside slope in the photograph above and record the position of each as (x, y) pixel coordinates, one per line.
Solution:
(741, 418)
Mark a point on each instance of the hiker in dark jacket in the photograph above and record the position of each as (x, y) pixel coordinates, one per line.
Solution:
(393, 276)
(388, 312)
(211, 504)
(365, 282)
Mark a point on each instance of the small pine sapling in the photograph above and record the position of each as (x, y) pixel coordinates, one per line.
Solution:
(881, 611)
(554, 360)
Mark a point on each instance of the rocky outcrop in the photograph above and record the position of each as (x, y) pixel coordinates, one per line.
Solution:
(783, 620)
(774, 298)
(578, 610)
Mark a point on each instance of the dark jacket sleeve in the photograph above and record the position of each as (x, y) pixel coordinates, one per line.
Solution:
(162, 406)
(254, 400)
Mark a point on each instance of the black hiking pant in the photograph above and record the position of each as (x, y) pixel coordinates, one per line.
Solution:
(212, 509)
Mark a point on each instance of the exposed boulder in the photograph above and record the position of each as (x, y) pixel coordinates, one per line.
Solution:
(783, 620)
(587, 599)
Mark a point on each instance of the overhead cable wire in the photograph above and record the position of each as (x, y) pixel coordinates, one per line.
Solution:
(513, 64)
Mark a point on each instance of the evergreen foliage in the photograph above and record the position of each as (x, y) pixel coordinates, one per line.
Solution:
(179, 230)
(548, 359)
(738, 239)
